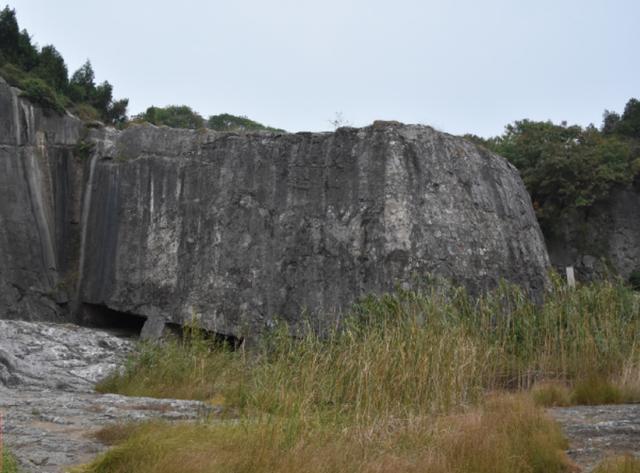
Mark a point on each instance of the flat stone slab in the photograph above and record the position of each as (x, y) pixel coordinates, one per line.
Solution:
(596, 432)
(50, 412)
(50, 430)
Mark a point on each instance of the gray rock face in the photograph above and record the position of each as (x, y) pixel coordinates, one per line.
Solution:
(37, 190)
(602, 240)
(240, 228)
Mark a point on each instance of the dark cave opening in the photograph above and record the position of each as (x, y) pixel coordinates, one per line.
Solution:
(230, 342)
(120, 323)
(127, 324)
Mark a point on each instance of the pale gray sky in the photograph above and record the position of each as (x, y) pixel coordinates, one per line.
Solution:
(461, 65)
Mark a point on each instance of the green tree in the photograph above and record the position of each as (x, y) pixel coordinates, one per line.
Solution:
(9, 35)
(15, 45)
(43, 76)
(565, 167)
(117, 112)
(82, 83)
(52, 68)
(175, 116)
(610, 122)
(629, 124)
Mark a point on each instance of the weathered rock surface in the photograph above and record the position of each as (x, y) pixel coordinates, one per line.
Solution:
(55, 356)
(37, 188)
(596, 432)
(604, 239)
(47, 374)
(241, 228)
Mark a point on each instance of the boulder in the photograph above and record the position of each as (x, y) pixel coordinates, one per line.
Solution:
(240, 229)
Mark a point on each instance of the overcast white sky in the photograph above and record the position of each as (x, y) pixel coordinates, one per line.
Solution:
(461, 66)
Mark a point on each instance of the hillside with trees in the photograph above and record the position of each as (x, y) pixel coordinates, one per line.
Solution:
(567, 166)
(43, 76)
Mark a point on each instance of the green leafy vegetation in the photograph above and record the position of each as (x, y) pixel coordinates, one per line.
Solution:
(174, 116)
(569, 167)
(182, 116)
(402, 386)
(43, 76)
(227, 122)
(39, 92)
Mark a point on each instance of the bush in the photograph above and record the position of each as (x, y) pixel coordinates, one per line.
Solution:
(174, 116)
(39, 92)
(86, 112)
(13, 75)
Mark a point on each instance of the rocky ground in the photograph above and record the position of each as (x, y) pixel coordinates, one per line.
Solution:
(50, 412)
(596, 432)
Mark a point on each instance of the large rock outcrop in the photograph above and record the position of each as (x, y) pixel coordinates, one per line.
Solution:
(37, 188)
(242, 228)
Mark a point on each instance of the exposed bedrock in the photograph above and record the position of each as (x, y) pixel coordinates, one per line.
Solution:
(39, 182)
(240, 229)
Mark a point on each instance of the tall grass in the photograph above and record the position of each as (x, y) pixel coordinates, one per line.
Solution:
(400, 386)
(410, 352)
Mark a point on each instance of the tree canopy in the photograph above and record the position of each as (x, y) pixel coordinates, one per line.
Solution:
(175, 116)
(566, 166)
(182, 116)
(43, 76)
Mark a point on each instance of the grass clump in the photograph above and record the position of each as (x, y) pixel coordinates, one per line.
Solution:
(551, 394)
(191, 367)
(508, 435)
(619, 464)
(9, 463)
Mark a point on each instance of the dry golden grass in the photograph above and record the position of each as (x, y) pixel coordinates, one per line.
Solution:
(508, 435)
(551, 394)
(620, 464)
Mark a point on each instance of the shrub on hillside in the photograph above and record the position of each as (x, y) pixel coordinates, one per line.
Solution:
(39, 92)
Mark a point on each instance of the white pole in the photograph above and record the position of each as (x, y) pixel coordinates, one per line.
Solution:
(571, 277)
